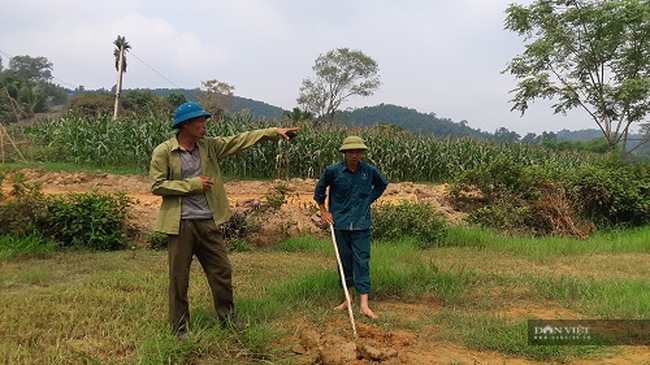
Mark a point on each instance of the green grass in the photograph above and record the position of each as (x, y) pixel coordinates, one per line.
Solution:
(111, 308)
(613, 299)
(632, 240)
(33, 245)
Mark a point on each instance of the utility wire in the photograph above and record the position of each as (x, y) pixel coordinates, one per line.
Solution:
(53, 78)
(6, 54)
(130, 52)
(153, 69)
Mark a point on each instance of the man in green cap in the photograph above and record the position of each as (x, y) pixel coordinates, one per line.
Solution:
(353, 186)
(185, 171)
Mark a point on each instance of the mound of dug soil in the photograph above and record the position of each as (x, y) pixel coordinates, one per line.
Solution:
(372, 345)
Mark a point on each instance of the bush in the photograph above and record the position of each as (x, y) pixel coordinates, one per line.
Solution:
(157, 241)
(93, 220)
(412, 219)
(612, 193)
(25, 212)
(276, 196)
(513, 198)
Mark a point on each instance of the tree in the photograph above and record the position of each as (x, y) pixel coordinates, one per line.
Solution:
(215, 96)
(91, 104)
(31, 69)
(531, 139)
(173, 100)
(141, 102)
(504, 135)
(121, 46)
(588, 54)
(26, 89)
(340, 74)
(296, 115)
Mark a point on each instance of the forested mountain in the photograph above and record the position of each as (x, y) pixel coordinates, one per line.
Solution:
(417, 122)
(409, 119)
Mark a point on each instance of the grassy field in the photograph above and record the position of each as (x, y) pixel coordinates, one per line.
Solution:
(111, 308)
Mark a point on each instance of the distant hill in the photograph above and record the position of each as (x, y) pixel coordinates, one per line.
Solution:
(409, 119)
(257, 108)
(579, 135)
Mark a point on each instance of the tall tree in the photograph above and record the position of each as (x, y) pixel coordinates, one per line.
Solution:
(31, 69)
(588, 54)
(121, 46)
(340, 74)
(215, 96)
(25, 88)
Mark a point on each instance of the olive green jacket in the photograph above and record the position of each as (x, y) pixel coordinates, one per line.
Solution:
(166, 180)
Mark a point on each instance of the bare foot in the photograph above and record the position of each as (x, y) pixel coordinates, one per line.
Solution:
(368, 313)
(341, 306)
(365, 308)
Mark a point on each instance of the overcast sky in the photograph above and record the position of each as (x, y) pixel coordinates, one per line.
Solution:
(435, 56)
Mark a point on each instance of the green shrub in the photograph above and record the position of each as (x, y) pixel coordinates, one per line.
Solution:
(157, 241)
(25, 212)
(612, 193)
(93, 220)
(240, 225)
(508, 196)
(276, 196)
(409, 219)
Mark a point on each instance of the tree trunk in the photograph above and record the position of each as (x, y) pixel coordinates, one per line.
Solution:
(118, 88)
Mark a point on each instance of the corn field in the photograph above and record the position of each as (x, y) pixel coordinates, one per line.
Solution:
(400, 155)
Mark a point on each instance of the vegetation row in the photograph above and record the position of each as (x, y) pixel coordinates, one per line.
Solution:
(514, 188)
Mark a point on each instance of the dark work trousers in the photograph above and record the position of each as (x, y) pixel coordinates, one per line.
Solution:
(203, 239)
(354, 249)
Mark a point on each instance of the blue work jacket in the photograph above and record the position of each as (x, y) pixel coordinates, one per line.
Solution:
(350, 193)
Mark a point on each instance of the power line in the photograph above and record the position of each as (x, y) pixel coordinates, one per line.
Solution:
(52, 77)
(152, 69)
(6, 54)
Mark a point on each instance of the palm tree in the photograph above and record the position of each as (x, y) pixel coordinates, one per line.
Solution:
(120, 65)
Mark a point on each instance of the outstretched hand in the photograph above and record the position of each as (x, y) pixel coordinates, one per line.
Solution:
(288, 133)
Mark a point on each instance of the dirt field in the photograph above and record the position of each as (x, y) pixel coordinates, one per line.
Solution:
(298, 217)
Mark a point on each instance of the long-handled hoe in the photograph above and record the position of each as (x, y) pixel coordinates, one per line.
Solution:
(345, 287)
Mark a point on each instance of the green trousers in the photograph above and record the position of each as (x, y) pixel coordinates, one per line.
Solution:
(203, 239)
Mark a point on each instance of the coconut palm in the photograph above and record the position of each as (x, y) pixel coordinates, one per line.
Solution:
(120, 65)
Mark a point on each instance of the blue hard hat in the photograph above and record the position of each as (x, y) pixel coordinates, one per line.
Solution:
(187, 111)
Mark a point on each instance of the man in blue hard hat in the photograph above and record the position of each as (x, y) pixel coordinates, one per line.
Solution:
(184, 170)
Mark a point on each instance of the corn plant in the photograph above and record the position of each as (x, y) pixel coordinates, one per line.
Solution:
(400, 155)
